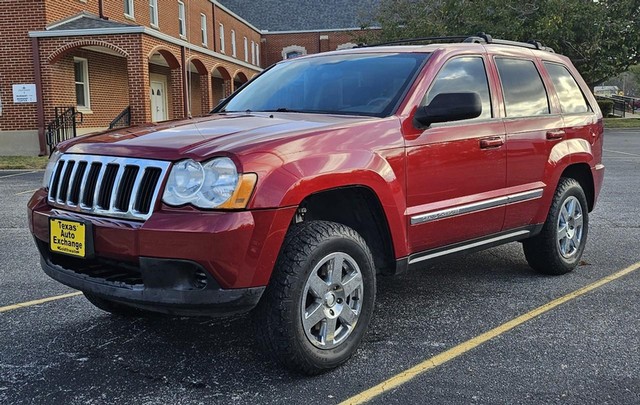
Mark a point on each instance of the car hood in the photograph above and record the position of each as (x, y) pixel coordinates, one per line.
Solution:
(199, 138)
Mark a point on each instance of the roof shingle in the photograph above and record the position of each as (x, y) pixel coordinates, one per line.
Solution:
(302, 15)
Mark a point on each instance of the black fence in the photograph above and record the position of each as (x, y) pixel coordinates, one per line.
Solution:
(621, 105)
(122, 120)
(63, 126)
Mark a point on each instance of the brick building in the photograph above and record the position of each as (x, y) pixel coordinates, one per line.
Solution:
(146, 60)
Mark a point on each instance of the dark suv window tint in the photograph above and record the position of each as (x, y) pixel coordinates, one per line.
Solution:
(524, 93)
(571, 98)
(460, 75)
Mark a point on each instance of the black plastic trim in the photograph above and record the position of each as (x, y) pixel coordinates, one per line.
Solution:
(166, 288)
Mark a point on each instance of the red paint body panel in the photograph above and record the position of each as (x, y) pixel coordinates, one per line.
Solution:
(238, 248)
(410, 170)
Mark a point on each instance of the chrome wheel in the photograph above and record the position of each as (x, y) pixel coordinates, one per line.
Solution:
(570, 227)
(332, 300)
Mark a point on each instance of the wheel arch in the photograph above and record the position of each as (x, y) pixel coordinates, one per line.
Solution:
(359, 208)
(581, 172)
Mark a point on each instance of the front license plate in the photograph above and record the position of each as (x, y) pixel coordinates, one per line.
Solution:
(69, 237)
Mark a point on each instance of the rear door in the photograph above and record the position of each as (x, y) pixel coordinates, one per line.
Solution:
(533, 124)
(456, 170)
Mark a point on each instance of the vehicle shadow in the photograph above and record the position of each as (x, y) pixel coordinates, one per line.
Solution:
(219, 360)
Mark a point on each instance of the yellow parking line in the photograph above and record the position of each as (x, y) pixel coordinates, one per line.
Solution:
(464, 347)
(36, 302)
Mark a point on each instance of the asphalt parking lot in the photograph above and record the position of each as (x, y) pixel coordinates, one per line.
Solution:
(585, 350)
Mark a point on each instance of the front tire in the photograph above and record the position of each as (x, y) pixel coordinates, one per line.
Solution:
(559, 246)
(320, 299)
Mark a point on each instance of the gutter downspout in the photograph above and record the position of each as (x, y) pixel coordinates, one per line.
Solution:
(101, 10)
(35, 55)
(185, 91)
(214, 27)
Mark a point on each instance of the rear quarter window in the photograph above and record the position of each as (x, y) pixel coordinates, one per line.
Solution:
(524, 92)
(571, 97)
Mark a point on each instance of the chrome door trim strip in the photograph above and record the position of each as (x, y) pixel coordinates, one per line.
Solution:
(479, 206)
(469, 246)
(525, 196)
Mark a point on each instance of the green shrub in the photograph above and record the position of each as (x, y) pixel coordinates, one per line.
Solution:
(606, 106)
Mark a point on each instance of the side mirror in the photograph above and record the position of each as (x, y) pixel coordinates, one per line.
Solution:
(447, 107)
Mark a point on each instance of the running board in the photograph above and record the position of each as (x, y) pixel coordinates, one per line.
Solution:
(466, 247)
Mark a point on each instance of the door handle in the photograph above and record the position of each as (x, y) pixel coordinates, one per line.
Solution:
(489, 143)
(555, 134)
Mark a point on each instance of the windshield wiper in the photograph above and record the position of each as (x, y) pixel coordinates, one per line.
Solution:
(284, 109)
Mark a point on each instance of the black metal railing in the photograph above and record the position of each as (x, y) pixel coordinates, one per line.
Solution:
(621, 105)
(122, 120)
(63, 126)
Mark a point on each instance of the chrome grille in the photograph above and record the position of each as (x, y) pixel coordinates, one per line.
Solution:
(108, 186)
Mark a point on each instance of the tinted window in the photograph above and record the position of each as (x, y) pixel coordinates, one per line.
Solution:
(359, 84)
(462, 75)
(571, 98)
(524, 93)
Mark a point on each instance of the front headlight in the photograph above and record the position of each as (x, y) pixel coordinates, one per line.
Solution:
(51, 167)
(212, 184)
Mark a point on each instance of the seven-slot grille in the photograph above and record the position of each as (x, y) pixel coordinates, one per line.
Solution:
(109, 186)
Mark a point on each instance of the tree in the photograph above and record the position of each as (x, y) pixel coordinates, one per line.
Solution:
(602, 38)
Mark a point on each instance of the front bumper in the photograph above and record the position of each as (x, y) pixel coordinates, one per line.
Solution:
(184, 262)
(175, 287)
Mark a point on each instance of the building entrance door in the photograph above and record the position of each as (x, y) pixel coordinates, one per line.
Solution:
(158, 101)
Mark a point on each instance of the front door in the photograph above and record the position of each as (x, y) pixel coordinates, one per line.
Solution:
(158, 101)
(456, 171)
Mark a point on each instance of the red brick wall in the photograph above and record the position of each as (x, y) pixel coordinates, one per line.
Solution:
(16, 65)
(275, 43)
(242, 30)
(109, 87)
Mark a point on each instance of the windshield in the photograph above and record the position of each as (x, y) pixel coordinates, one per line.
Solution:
(356, 84)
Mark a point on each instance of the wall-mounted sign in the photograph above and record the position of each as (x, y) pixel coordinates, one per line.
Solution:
(24, 93)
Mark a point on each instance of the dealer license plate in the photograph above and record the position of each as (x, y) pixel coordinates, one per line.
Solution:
(68, 237)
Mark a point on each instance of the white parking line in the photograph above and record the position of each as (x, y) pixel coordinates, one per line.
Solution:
(622, 153)
(20, 174)
(27, 192)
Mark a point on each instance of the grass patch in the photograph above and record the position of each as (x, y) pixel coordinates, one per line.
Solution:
(622, 122)
(23, 162)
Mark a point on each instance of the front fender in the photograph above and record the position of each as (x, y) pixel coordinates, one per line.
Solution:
(290, 183)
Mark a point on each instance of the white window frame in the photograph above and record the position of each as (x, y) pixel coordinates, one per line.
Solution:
(85, 72)
(293, 48)
(233, 43)
(153, 13)
(221, 30)
(253, 53)
(129, 4)
(182, 20)
(246, 49)
(203, 30)
(257, 54)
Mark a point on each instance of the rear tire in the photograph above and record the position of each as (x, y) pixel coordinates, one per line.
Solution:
(557, 249)
(320, 299)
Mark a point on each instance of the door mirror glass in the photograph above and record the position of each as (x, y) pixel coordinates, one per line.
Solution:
(447, 107)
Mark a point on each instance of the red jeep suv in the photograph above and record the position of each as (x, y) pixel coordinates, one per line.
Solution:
(318, 175)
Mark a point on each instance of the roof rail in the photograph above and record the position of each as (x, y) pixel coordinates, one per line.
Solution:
(480, 38)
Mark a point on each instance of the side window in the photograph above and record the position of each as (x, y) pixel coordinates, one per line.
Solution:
(524, 92)
(571, 98)
(466, 74)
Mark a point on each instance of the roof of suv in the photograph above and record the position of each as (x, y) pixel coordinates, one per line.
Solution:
(448, 47)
